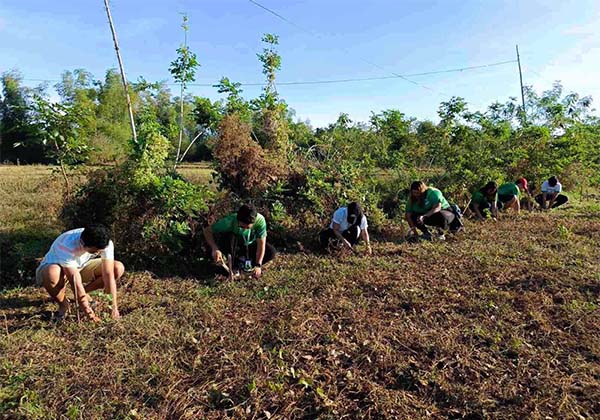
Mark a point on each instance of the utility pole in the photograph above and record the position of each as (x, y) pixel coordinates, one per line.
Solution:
(123, 78)
(521, 79)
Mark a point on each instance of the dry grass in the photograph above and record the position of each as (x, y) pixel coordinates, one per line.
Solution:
(499, 322)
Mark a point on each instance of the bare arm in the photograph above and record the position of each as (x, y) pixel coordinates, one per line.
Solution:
(261, 245)
(74, 277)
(365, 236)
(338, 232)
(478, 213)
(110, 285)
(408, 217)
(216, 253)
(434, 210)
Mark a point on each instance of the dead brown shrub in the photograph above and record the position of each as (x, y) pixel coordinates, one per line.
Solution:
(240, 161)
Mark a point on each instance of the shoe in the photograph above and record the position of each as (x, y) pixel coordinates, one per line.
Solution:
(457, 229)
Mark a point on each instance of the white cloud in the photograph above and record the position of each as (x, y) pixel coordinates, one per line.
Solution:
(576, 67)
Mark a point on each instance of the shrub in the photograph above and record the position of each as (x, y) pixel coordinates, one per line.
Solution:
(240, 162)
(153, 212)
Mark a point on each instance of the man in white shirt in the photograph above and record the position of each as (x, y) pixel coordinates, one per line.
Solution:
(348, 225)
(73, 257)
(551, 196)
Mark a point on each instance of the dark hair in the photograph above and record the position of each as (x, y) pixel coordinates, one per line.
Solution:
(489, 187)
(421, 187)
(95, 236)
(247, 214)
(553, 181)
(355, 213)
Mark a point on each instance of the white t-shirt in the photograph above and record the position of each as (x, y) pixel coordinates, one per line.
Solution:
(67, 251)
(546, 188)
(340, 216)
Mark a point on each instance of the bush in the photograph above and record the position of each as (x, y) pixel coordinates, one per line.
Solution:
(240, 162)
(152, 211)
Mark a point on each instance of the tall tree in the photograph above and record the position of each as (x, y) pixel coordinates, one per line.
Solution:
(18, 139)
(183, 70)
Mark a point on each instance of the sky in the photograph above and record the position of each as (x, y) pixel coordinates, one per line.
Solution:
(321, 40)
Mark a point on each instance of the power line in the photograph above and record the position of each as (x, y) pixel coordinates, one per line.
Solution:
(334, 81)
(347, 50)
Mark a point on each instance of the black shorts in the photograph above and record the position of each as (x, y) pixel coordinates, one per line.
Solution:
(505, 198)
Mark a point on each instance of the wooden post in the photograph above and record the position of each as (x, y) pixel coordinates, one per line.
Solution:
(521, 80)
(123, 78)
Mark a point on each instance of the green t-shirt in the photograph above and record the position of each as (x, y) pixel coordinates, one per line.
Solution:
(433, 196)
(510, 188)
(479, 198)
(229, 224)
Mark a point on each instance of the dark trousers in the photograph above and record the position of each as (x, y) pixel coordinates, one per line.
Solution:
(352, 235)
(230, 244)
(560, 200)
(487, 206)
(442, 219)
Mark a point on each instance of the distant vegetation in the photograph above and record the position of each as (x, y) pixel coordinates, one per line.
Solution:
(295, 174)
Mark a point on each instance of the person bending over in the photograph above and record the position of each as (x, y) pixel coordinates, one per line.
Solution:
(427, 207)
(85, 258)
(348, 225)
(551, 196)
(509, 194)
(243, 235)
(484, 202)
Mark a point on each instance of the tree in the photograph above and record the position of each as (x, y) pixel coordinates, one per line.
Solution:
(183, 70)
(113, 126)
(58, 125)
(18, 138)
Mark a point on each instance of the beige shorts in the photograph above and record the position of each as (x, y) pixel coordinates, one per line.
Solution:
(86, 272)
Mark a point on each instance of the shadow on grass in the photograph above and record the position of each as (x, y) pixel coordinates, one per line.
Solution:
(20, 252)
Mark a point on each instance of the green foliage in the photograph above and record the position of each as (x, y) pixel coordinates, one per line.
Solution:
(16, 117)
(152, 211)
(58, 125)
(183, 68)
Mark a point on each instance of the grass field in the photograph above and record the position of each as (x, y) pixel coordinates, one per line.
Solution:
(502, 321)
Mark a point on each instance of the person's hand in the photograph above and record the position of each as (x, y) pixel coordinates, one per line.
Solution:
(217, 256)
(115, 314)
(257, 272)
(420, 219)
(92, 316)
(369, 250)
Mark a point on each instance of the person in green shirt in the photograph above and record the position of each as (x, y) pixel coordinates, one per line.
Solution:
(427, 206)
(484, 201)
(509, 194)
(243, 235)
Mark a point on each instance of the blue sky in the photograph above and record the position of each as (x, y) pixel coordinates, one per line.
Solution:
(332, 39)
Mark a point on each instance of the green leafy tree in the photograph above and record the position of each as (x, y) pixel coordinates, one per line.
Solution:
(58, 126)
(18, 138)
(183, 70)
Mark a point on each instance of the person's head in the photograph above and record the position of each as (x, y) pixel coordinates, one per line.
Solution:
(95, 237)
(355, 213)
(417, 190)
(522, 184)
(246, 216)
(490, 188)
(552, 181)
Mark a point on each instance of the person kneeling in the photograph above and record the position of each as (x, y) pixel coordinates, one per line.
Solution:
(484, 202)
(551, 196)
(509, 194)
(243, 235)
(427, 207)
(348, 225)
(73, 257)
